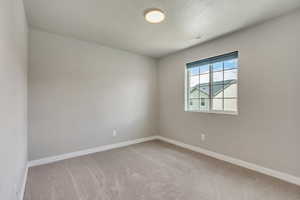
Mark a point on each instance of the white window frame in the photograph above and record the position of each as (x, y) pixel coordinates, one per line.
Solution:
(186, 90)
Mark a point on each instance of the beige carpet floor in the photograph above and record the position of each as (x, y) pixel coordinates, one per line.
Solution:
(152, 171)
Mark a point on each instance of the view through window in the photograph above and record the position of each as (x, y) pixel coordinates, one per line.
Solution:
(212, 84)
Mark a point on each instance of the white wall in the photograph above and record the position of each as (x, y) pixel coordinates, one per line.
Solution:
(266, 131)
(79, 92)
(13, 98)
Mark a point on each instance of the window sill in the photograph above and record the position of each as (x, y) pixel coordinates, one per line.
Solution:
(213, 112)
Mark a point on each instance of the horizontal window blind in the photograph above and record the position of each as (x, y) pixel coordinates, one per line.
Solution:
(206, 61)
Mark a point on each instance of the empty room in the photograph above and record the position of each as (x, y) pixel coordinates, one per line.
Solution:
(149, 100)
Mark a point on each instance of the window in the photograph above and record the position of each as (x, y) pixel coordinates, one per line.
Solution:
(212, 84)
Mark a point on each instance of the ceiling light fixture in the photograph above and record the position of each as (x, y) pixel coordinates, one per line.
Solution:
(154, 15)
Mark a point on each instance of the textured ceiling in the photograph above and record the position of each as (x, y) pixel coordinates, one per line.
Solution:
(120, 23)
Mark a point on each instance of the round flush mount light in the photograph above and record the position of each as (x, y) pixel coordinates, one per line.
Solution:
(154, 15)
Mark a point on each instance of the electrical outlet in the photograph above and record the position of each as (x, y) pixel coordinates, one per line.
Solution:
(114, 132)
(203, 137)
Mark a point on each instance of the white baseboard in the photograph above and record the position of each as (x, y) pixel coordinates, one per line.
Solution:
(22, 190)
(87, 151)
(270, 172)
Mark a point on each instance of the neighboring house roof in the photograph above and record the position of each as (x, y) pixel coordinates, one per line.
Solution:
(216, 89)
